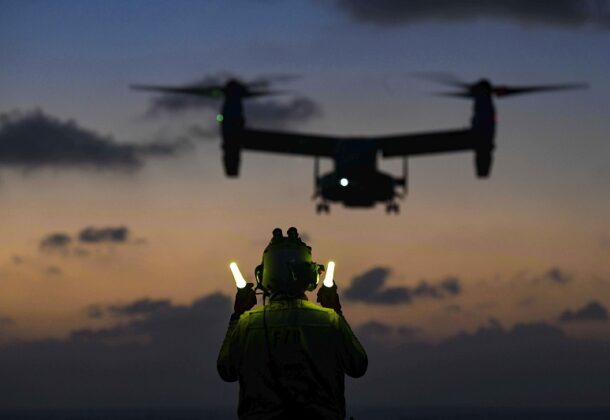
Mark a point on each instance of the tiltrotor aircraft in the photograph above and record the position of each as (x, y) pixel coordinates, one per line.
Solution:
(356, 181)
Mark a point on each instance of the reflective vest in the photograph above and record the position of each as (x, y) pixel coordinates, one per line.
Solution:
(290, 357)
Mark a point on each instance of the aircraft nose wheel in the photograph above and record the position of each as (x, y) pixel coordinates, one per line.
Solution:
(322, 208)
(392, 208)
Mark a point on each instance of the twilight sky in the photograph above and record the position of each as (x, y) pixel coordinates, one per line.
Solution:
(140, 211)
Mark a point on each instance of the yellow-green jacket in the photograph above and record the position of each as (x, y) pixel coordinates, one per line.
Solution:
(290, 357)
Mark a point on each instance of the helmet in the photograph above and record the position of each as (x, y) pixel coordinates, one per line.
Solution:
(287, 268)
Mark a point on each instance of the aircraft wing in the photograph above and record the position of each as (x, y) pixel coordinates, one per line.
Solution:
(290, 143)
(427, 143)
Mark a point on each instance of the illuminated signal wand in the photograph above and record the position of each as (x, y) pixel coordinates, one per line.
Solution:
(240, 282)
(330, 274)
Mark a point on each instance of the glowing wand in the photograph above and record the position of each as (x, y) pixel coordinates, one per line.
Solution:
(240, 282)
(330, 273)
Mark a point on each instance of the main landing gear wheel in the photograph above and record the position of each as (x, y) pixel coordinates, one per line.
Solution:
(392, 208)
(322, 208)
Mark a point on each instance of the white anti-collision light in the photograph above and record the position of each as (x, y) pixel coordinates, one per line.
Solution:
(344, 182)
(330, 274)
(240, 282)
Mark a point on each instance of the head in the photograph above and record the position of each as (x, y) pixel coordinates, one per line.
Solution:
(287, 268)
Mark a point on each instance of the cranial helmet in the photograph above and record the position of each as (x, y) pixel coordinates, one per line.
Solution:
(287, 267)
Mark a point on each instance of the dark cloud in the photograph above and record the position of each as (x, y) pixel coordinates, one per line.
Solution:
(375, 330)
(6, 321)
(80, 252)
(265, 111)
(446, 287)
(205, 133)
(533, 364)
(557, 276)
(282, 112)
(95, 311)
(53, 271)
(166, 356)
(140, 307)
(144, 306)
(34, 140)
(454, 309)
(593, 311)
(369, 288)
(55, 241)
(526, 302)
(87, 238)
(92, 235)
(563, 13)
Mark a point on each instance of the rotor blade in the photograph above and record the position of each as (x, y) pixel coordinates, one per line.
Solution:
(265, 81)
(453, 94)
(210, 91)
(442, 78)
(501, 91)
(253, 94)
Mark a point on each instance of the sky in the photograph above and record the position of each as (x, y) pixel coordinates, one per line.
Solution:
(113, 199)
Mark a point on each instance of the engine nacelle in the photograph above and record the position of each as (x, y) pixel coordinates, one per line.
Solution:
(232, 133)
(231, 159)
(483, 160)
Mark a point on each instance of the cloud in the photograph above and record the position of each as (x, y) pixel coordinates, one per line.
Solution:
(81, 244)
(91, 235)
(34, 140)
(375, 330)
(561, 13)
(164, 356)
(5, 321)
(369, 288)
(95, 311)
(557, 276)
(164, 353)
(204, 133)
(55, 241)
(454, 309)
(446, 287)
(530, 364)
(144, 306)
(593, 311)
(267, 111)
(53, 271)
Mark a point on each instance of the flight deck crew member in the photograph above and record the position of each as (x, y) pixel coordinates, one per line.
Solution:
(289, 355)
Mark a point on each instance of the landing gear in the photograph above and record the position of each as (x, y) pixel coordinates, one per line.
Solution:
(322, 208)
(392, 208)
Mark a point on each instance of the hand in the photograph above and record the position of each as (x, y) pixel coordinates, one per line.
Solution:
(245, 299)
(328, 298)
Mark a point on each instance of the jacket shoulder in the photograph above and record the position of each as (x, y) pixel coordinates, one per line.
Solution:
(314, 312)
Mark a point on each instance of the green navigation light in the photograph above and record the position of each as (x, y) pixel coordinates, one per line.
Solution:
(219, 117)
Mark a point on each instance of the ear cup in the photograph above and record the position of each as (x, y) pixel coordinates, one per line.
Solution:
(258, 275)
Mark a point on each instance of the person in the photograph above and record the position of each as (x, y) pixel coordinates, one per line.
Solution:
(289, 355)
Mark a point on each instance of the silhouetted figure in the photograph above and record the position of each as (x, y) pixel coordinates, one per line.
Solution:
(290, 356)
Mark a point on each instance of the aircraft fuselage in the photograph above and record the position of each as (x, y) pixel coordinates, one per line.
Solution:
(356, 181)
